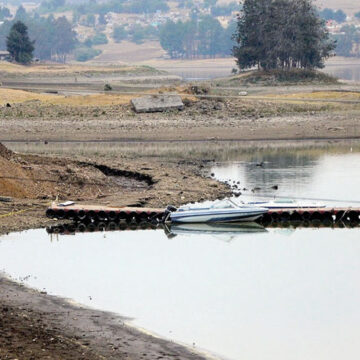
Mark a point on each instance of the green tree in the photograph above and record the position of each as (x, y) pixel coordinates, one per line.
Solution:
(64, 38)
(170, 39)
(99, 39)
(19, 45)
(282, 34)
(4, 13)
(210, 34)
(347, 41)
(119, 33)
(329, 14)
(21, 14)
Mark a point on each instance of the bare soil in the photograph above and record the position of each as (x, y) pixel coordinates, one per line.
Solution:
(35, 326)
(214, 118)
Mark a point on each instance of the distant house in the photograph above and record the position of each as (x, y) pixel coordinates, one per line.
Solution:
(4, 55)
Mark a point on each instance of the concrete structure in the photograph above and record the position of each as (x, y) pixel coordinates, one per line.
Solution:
(157, 103)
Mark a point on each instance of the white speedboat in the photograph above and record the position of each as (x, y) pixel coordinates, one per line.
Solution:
(284, 204)
(220, 211)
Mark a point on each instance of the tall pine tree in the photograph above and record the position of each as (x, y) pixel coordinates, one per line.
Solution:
(281, 34)
(19, 45)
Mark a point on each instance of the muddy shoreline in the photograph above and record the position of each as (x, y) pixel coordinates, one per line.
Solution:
(35, 325)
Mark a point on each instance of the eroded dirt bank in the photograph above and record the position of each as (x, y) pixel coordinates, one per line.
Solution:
(33, 182)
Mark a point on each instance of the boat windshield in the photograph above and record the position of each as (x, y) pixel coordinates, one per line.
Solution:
(223, 204)
(284, 201)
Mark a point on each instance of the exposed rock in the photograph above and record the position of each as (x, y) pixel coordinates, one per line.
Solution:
(157, 103)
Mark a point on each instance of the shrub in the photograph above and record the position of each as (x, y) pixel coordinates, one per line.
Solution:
(99, 39)
(85, 54)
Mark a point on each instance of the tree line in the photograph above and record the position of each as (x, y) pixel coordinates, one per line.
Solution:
(53, 39)
(203, 37)
(281, 34)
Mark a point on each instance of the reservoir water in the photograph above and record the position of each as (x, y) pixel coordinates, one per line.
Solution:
(240, 292)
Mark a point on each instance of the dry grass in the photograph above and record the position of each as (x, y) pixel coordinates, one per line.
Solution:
(7, 68)
(20, 96)
(91, 100)
(321, 95)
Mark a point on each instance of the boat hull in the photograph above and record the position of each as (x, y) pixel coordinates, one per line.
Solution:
(219, 217)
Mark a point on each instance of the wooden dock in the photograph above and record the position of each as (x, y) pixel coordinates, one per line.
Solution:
(95, 214)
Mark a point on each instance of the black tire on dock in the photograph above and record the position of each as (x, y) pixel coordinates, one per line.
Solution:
(328, 216)
(266, 218)
(353, 216)
(131, 217)
(81, 215)
(306, 223)
(102, 216)
(316, 216)
(91, 215)
(275, 216)
(328, 222)
(295, 216)
(353, 224)
(316, 223)
(112, 226)
(101, 226)
(339, 215)
(81, 228)
(112, 215)
(91, 227)
(143, 217)
(122, 215)
(71, 215)
(50, 213)
(123, 226)
(71, 228)
(60, 214)
(285, 216)
(306, 215)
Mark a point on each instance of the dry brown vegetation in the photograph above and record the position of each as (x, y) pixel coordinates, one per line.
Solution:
(14, 70)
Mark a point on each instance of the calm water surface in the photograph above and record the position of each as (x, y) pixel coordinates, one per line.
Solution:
(242, 293)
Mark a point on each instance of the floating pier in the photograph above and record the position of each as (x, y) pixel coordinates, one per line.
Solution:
(93, 213)
(106, 214)
(330, 214)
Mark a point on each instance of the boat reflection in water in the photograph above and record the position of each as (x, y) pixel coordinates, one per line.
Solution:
(225, 232)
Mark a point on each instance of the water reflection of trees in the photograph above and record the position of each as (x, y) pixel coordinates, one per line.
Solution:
(288, 169)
